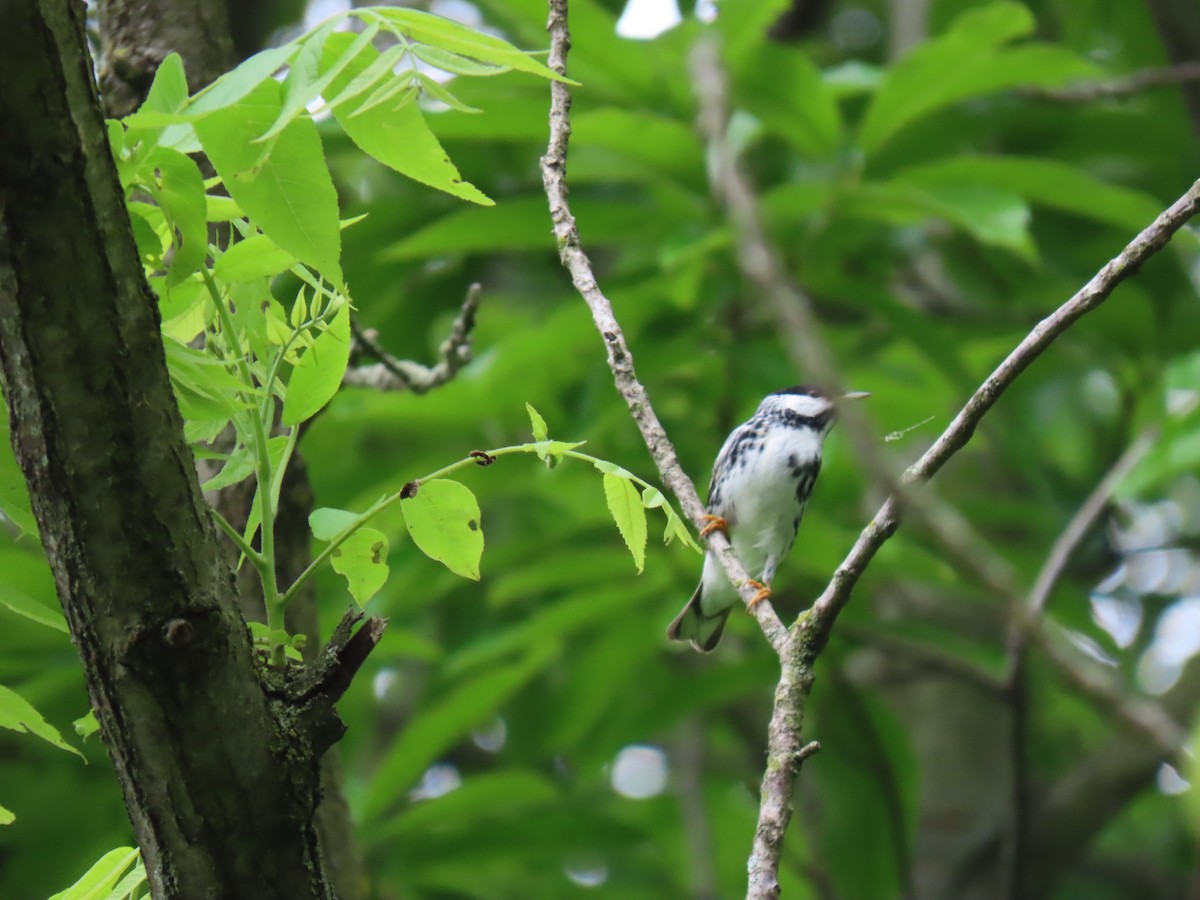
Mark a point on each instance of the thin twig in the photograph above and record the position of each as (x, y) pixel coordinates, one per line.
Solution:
(392, 374)
(1083, 520)
(794, 313)
(1016, 682)
(815, 627)
(954, 438)
(620, 359)
(1133, 83)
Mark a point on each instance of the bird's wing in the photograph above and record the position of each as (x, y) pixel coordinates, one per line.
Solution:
(735, 437)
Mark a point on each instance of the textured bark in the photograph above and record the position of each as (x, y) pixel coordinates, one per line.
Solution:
(136, 35)
(219, 775)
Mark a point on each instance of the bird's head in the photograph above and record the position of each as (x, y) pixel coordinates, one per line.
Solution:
(809, 405)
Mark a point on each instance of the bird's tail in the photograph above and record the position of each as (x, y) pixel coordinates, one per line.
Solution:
(693, 625)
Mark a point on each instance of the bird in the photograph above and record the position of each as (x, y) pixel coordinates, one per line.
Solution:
(761, 482)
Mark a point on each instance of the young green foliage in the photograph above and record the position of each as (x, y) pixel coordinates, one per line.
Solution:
(242, 361)
(443, 518)
(109, 878)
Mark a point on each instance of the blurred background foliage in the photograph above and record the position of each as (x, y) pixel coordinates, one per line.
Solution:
(534, 735)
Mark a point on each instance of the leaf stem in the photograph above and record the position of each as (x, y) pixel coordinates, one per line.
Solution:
(539, 447)
(264, 561)
(238, 541)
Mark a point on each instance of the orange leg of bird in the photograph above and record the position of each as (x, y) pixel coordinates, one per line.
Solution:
(715, 523)
(763, 593)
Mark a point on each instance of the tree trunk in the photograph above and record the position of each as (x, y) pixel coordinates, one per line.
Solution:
(219, 772)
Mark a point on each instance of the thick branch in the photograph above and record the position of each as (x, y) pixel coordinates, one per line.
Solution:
(221, 803)
(137, 35)
(620, 359)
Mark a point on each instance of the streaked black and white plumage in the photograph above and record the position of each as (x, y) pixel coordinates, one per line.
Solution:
(761, 482)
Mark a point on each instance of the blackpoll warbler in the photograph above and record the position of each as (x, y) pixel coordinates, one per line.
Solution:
(761, 483)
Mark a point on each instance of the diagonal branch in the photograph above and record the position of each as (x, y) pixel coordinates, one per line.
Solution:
(791, 696)
(620, 359)
(793, 311)
(954, 438)
(1085, 517)
(392, 374)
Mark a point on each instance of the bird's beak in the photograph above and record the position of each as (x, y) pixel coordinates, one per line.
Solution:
(856, 395)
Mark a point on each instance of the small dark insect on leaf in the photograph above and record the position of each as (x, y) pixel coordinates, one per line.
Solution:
(409, 490)
(376, 549)
(472, 524)
(482, 457)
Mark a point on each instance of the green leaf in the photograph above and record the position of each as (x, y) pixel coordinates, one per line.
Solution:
(238, 467)
(379, 70)
(743, 24)
(552, 452)
(327, 523)
(455, 63)
(520, 225)
(398, 138)
(179, 189)
(19, 715)
(444, 522)
(362, 559)
(1045, 181)
(6, 817)
(853, 78)
(127, 887)
(992, 216)
(238, 83)
(995, 217)
(252, 258)
(455, 38)
(86, 725)
(14, 495)
(440, 725)
(26, 606)
(1176, 452)
(102, 877)
(204, 388)
(625, 504)
(538, 424)
(655, 143)
(782, 87)
(302, 85)
(399, 87)
(437, 91)
(169, 91)
(677, 528)
(967, 61)
(285, 186)
(319, 374)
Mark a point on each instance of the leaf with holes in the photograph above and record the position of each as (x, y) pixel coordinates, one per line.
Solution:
(443, 521)
(362, 559)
